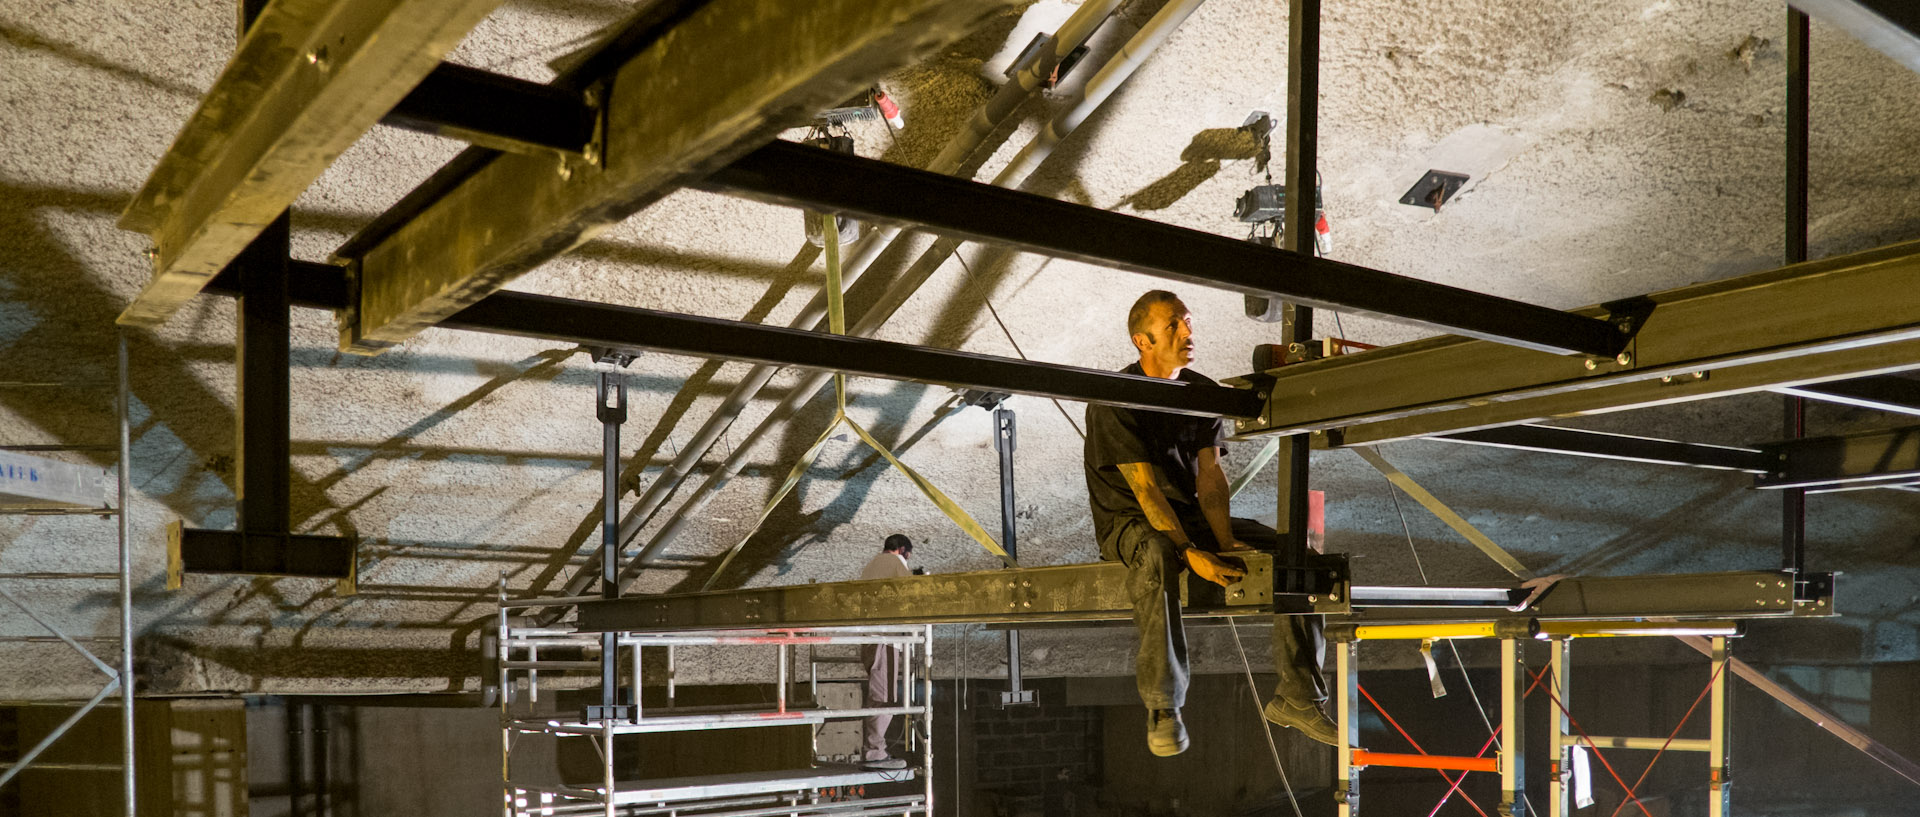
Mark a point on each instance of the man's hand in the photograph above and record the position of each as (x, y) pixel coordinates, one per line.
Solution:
(1213, 568)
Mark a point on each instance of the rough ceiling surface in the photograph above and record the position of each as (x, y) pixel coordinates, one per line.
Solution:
(1639, 148)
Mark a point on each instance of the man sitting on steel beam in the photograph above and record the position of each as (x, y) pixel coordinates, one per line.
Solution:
(1160, 506)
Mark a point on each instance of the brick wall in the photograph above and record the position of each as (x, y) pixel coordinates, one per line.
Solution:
(1019, 751)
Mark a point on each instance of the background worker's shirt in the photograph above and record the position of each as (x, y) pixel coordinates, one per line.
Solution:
(1170, 443)
(886, 566)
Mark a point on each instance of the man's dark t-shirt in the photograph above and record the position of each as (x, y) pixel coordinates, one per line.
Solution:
(1171, 443)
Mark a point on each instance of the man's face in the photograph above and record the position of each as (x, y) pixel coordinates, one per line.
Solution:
(1168, 339)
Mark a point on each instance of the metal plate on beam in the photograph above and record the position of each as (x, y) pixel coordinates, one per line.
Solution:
(308, 79)
(724, 79)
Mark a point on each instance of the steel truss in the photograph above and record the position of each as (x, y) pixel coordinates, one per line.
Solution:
(824, 790)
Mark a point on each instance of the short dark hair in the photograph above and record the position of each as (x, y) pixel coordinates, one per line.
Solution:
(1137, 316)
(898, 543)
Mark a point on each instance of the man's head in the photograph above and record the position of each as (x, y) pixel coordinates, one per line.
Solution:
(1162, 331)
(899, 543)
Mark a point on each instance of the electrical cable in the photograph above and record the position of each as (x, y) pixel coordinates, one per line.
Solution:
(1009, 333)
(1393, 491)
(1266, 729)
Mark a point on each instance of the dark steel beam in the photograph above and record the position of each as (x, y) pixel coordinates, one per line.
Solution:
(261, 278)
(1832, 319)
(308, 79)
(263, 397)
(322, 286)
(1881, 458)
(1602, 445)
(538, 316)
(803, 176)
(260, 554)
(1890, 26)
(723, 76)
(496, 111)
(1888, 393)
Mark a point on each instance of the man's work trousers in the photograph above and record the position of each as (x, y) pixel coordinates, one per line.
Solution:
(1161, 668)
(881, 662)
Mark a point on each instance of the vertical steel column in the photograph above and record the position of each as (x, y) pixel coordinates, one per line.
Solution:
(611, 415)
(1719, 788)
(1004, 439)
(1296, 235)
(263, 392)
(1513, 767)
(1793, 501)
(1559, 791)
(1346, 673)
(126, 583)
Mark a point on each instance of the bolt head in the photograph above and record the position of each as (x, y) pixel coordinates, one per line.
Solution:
(1626, 327)
(1312, 599)
(1591, 364)
(1624, 359)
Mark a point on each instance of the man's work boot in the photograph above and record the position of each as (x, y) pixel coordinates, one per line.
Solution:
(1166, 735)
(1305, 717)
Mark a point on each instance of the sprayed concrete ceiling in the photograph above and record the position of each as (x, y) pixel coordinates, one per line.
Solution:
(1623, 147)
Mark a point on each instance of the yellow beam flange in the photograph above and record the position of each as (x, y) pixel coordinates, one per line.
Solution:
(1422, 632)
(307, 80)
(723, 80)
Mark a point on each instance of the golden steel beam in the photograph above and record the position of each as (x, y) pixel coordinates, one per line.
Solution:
(308, 79)
(720, 82)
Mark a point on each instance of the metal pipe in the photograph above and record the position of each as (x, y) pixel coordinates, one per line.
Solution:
(126, 583)
(1643, 744)
(1560, 773)
(1720, 731)
(1362, 758)
(1513, 773)
(962, 145)
(1096, 91)
(1110, 77)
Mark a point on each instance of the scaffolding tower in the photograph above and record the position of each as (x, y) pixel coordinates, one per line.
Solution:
(39, 486)
(534, 789)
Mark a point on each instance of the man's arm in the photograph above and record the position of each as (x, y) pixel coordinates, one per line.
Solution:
(1216, 499)
(1139, 476)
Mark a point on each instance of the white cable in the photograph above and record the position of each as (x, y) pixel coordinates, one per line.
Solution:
(1266, 729)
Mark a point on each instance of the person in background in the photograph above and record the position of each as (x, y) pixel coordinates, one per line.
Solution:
(883, 661)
